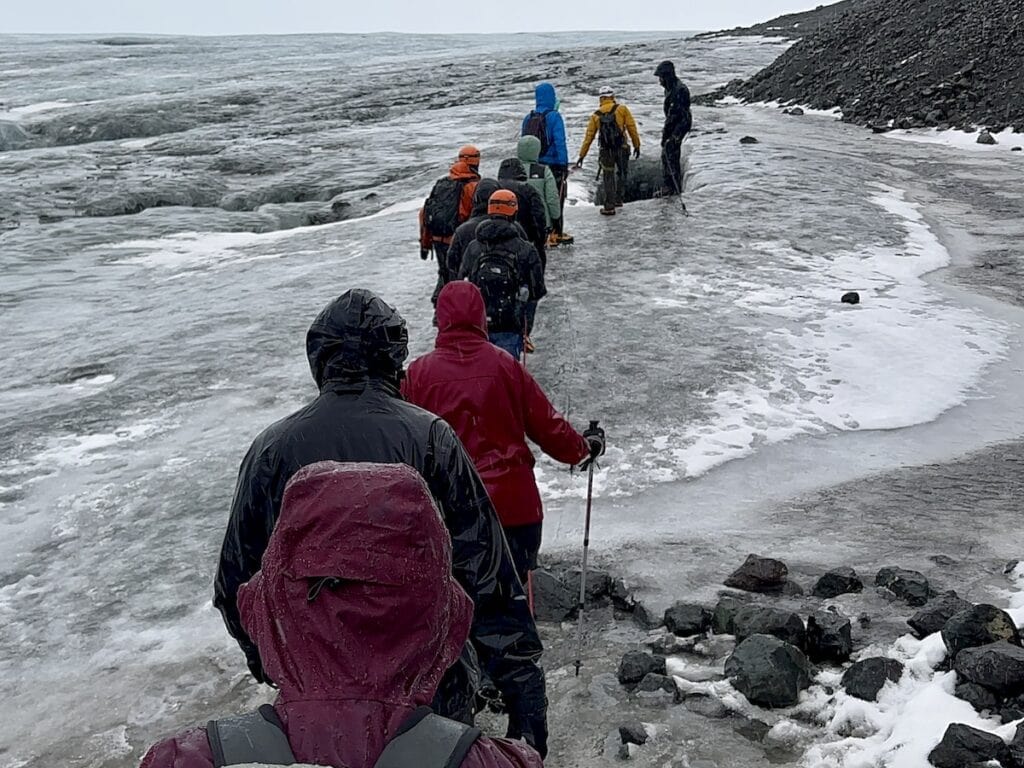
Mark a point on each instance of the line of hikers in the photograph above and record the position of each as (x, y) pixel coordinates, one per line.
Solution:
(379, 539)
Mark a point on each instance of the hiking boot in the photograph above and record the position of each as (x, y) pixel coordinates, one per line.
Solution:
(554, 240)
(619, 204)
(566, 239)
(607, 211)
(528, 345)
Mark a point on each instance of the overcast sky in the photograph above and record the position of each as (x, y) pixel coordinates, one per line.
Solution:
(220, 17)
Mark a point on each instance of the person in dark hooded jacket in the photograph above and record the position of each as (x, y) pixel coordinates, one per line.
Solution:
(678, 122)
(356, 616)
(499, 238)
(356, 348)
(532, 214)
(494, 405)
(466, 233)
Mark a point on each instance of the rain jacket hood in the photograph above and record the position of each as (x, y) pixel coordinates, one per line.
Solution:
(460, 308)
(324, 616)
(544, 95)
(484, 189)
(496, 230)
(462, 171)
(512, 168)
(528, 149)
(356, 335)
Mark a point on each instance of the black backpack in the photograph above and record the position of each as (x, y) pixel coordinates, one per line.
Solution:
(441, 211)
(609, 135)
(537, 125)
(496, 274)
(425, 740)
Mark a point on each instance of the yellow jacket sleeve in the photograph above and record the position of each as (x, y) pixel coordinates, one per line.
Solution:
(592, 127)
(628, 124)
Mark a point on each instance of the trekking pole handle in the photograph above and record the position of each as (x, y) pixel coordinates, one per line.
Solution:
(593, 424)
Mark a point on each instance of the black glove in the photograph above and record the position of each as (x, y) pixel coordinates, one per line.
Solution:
(424, 253)
(636, 152)
(595, 438)
(579, 163)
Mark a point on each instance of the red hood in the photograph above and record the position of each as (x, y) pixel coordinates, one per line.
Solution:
(375, 530)
(460, 307)
(462, 171)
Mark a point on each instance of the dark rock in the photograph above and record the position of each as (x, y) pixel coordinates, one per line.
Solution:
(769, 672)
(724, 616)
(998, 666)
(751, 728)
(934, 615)
(851, 297)
(962, 745)
(621, 596)
(636, 665)
(687, 619)
(759, 574)
(553, 600)
(839, 581)
(978, 696)
(633, 733)
(942, 560)
(867, 677)
(829, 637)
(749, 140)
(791, 589)
(653, 682)
(643, 616)
(708, 706)
(1012, 709)
(796, 111)
(1015, 757)
(978, 625)
(986, 138)
(1016, 149)
(909, 586)
(763, 620)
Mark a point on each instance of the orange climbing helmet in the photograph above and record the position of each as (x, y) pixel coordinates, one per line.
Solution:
(502, 203)
(470, 154)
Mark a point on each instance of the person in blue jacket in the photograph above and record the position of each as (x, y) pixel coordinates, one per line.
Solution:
(546, 124)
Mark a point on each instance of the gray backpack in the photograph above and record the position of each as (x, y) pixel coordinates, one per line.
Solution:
(425, 740)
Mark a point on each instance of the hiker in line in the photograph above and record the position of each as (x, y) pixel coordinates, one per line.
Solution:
(678, 122)
(466, 234)
(610, 124)
(546, 123)
(449, 204)
(540, 177)
(356, 348)
(508, 272)
(470, 155)
(531, 213)
(356, 617)
(494, 405)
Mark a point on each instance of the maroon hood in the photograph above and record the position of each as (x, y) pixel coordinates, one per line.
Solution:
(460, 307)
(359, 550)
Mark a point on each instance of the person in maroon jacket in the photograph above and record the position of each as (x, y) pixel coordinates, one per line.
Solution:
(494, 404)
(356, 615)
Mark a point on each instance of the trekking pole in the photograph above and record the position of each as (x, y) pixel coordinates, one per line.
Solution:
(583, 571)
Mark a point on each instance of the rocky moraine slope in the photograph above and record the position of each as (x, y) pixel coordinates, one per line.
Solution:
(907, 64)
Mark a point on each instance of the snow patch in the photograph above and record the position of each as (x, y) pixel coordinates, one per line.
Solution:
(1007, 139)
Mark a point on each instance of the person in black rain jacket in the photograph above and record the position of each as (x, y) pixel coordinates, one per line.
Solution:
(531, 216)
(356, 348)
(678, 122)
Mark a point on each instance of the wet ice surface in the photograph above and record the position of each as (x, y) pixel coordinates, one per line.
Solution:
(151, 348)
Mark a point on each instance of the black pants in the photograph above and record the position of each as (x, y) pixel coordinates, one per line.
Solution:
(561, 174)
(671, 171)
(524, 544)
(614, 169)
(443, 278)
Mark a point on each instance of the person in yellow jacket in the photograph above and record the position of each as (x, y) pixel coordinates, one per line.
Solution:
(611, 123)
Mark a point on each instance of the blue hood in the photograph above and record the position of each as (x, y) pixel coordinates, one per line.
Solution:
(545, 95)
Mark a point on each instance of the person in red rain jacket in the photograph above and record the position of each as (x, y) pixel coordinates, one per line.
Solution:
(356, 615)
(494, 404)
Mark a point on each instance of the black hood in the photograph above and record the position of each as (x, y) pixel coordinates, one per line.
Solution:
(496, 230)
(512, 168)
(357, 335)
(484, 189)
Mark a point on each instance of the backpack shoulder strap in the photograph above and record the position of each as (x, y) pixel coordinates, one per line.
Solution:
(427, 740)
(255, 737)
